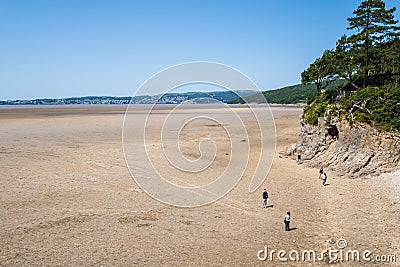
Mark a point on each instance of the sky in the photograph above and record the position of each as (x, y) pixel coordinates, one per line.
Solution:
(64, 48)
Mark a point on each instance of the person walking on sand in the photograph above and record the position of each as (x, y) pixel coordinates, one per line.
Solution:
(264, 198)
(287, 221)
(322, 176)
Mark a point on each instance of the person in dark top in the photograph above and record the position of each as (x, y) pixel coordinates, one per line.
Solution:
(264, 198)
(287, 221)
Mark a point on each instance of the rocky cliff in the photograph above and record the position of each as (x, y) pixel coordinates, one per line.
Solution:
(351, 151)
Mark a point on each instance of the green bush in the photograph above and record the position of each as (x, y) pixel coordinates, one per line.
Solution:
(380, 106)
(317, 107)
(377, 106)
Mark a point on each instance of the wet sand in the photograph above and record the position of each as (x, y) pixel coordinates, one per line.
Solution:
(67, 198)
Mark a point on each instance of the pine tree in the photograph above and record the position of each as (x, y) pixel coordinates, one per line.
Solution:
(344, 61)
(320, 72)
(373, 24)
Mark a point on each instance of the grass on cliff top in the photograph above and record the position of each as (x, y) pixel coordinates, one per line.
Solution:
(376, 106)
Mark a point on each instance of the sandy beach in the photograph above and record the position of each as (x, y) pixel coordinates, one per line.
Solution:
(68, 199)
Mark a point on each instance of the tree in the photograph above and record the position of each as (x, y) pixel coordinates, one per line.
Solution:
(344, 61)
(373, 24)
(369, 59)
(388, 62)
(320, 72)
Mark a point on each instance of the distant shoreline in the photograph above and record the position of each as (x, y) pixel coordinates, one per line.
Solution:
(23, 106)
(286, 95)
(71, 106)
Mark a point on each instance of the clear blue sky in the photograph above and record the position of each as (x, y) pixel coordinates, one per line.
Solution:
(61, 48)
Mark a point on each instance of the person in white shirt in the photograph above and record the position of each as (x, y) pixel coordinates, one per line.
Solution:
(322, 176)
(287, 221)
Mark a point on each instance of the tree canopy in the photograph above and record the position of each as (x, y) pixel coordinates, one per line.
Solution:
(369, 51)
(368, 58)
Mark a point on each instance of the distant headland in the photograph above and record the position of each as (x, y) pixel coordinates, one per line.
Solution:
(293, 94)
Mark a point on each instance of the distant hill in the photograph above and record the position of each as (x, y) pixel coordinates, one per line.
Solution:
(293, 94)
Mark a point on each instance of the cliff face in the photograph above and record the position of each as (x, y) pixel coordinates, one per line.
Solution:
(352, 151)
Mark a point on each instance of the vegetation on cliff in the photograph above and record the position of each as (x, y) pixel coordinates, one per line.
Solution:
(369, 61)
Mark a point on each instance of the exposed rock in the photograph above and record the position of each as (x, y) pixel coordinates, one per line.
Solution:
(348, 150)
